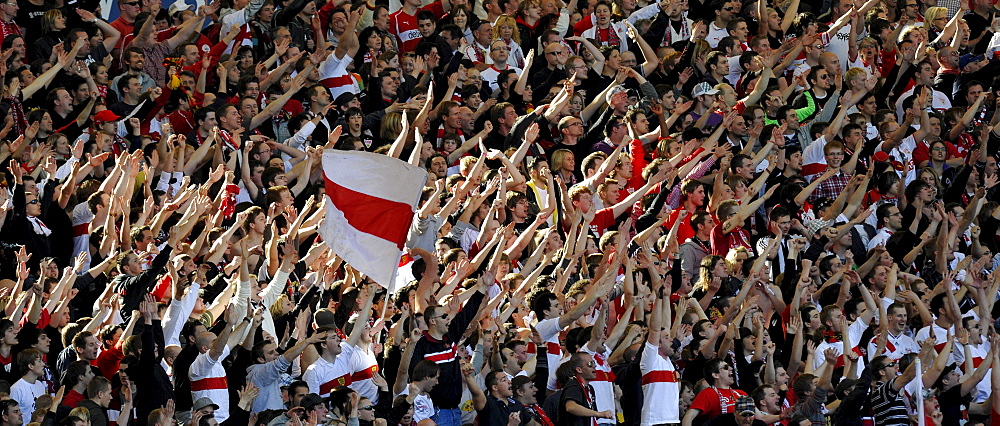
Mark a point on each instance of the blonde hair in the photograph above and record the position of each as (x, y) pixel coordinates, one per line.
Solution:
(932, 14)
(49, 20)
(509, 21)
(81, 412)
(392, 124)
(276, 306)
(701, 47)
(557, 159)
(731, 258)
(855, 72)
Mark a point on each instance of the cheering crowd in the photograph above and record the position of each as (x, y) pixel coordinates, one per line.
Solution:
(731, 212)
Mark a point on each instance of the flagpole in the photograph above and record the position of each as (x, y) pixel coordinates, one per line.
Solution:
(920, 393)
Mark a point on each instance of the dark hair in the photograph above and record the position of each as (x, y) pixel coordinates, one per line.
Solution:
(541, 301)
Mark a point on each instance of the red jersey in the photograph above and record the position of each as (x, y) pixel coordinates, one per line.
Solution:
(404, 26)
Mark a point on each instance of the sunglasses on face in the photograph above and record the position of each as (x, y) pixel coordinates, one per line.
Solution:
(33, 202)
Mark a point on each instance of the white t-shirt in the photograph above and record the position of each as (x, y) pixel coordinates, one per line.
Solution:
(423, 407)
(895, 346)
(323, 376)
(208, 380)
(715, 34)
(660, 388)
(549, 331)
(854, 332)
(363, 366)
(603, 384)
(940, 339)
(25, 394)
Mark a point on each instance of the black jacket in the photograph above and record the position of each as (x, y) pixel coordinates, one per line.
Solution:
(448, 392)
(134, 288)
(151, 380)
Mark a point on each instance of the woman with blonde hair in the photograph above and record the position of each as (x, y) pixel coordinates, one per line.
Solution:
(505, 29)
(392, 124)
(53, 32)
(935, 19)
(735, 259)
(931, 177)
(563, 164)
(528, 14)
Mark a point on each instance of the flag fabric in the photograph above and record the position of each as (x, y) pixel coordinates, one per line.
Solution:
(371, 202)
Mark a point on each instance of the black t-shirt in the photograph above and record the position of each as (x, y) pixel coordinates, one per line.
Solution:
(951, 402)
(497, 412)
(573, 392)
(30, 16)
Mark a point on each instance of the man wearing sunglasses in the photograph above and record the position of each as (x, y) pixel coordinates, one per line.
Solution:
(724, 12)
(26, 225)
(125, 24)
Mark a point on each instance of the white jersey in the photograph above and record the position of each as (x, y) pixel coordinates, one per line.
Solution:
(853, 337)
(603, 384)
(940, 339)
(903, 152)
(323, 376)
(208, 380)
(81, 231)
(661, 389)
(423, 406)
(334, 76)
(979, 353)
(491, 74)
(363, 366)
(549, 330)
(895, 346)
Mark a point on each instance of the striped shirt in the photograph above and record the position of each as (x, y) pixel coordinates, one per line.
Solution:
(887, 405)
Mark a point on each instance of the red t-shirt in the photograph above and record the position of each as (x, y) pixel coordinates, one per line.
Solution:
(72, 399)
(404, 26)
(713, 402)
(684, 230)
(603, 219)
(721, 242)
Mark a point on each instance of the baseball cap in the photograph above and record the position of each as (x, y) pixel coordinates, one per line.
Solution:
(106, 116)
(968, 58)
(519, 381)
(178, 6)
(703, 88)
(204, 402)
(323, 318)
(745, 405)
(310, 400)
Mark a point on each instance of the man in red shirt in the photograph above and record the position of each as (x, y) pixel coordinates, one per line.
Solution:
(8, 10)
(125, 24)
(729, 218)
(583, 200)
(720, 398)
(403, 22)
